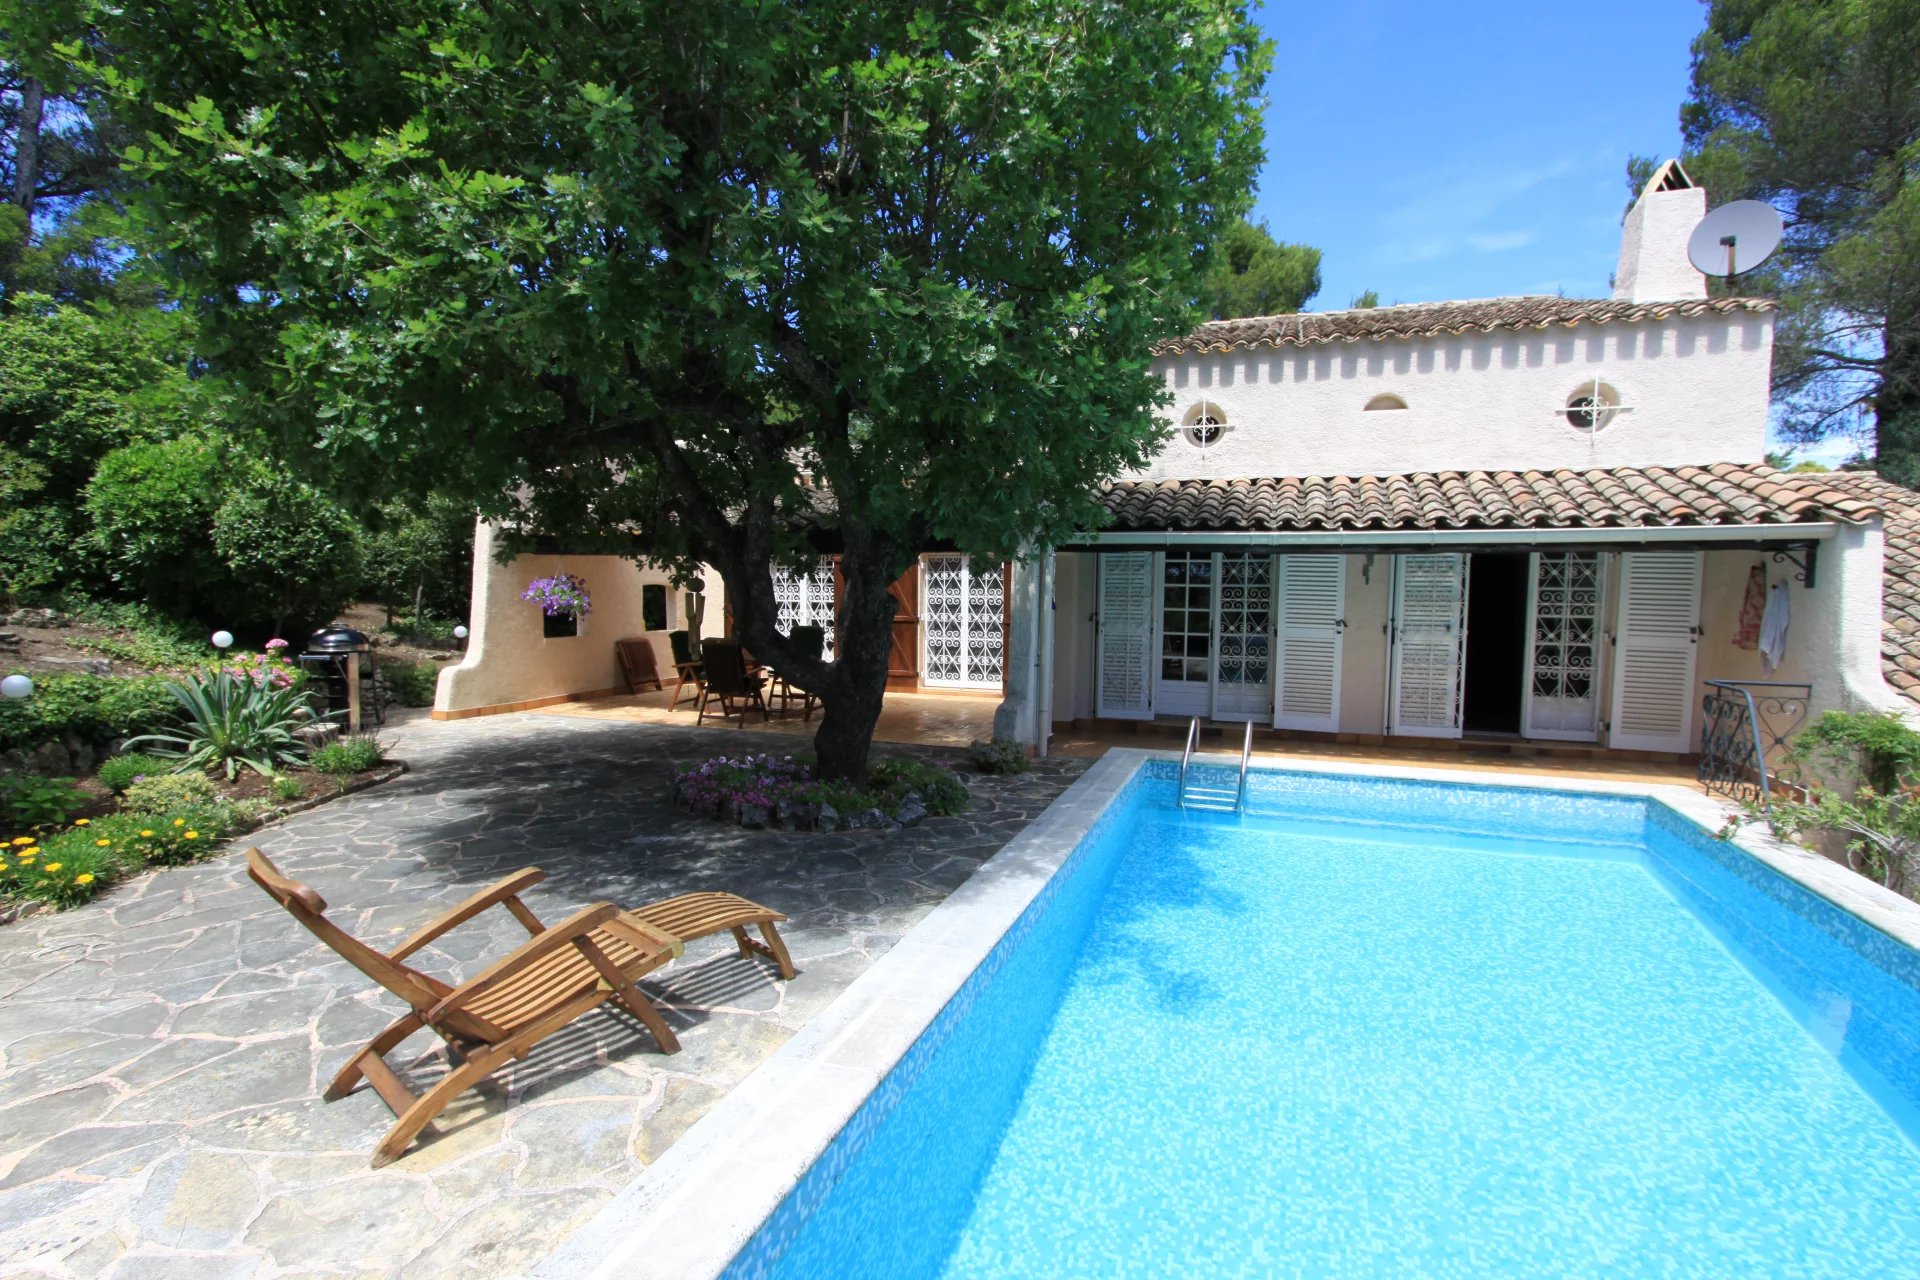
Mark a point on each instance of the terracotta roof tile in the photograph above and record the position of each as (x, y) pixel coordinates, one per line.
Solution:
(1900, 593)
(1435, 319)
(1620, 497)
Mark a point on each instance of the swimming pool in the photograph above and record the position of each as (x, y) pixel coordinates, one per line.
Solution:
(1384, 1027)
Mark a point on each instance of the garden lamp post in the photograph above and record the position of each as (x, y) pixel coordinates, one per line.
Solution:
(222, 640)
(16, 686)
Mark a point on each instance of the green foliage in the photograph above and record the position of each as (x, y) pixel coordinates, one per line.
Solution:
(413, 683)
(165, 792)
(28, 800)
(918, 257)
(284, 789)
(167, 839)
(231, 538)
(1815, 107)
(93, 708)
(1365, 300)
(422, 551)
(1849, 748)
(69, 868)
(295, 550)
(1857, 770)
(1255, 275)
(345, 757)
(122, 771)
(225, 723)
(998, 756)
(891, 779)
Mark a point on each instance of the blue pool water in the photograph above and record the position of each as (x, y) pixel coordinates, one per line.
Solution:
(1394, 1029)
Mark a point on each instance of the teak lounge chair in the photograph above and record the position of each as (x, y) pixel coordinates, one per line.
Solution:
(498, 1015)
(729, 684)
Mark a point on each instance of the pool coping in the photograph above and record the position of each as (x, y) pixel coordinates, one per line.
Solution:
(694, 1208)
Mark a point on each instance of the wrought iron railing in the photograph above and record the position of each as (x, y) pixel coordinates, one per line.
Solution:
(1745, 729)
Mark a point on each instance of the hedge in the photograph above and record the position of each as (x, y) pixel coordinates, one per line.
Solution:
(93, 708)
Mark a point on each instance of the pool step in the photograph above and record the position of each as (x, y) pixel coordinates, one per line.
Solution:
(1209, 798)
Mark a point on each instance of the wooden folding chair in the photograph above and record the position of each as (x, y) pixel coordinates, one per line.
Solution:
(637, 664)
(690, 670)
(560, 973)
(729, 684)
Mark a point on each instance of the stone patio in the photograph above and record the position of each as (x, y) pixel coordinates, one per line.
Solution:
(162, 1049)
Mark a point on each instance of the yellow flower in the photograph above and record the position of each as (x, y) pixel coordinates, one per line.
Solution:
(193, 835)
(23, 839)
(51, 867)
(85, 877)
(29, 855)
(103, 844)
(82, 822)
(147, 834)
(179, 822)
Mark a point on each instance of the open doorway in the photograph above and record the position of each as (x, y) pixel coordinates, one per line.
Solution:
(1496, 668)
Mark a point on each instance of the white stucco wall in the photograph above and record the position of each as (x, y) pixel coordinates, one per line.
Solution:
(1696, 388)
(510, 662)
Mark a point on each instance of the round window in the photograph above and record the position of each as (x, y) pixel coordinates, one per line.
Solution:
(1591, 406)
(1204, 424)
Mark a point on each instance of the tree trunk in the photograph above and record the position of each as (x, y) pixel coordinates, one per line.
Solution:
(26, 166)
(850, 701)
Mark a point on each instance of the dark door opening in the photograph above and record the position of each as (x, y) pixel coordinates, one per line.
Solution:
(1496, 670)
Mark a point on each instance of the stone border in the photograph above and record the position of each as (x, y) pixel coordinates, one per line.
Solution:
(694, 1208)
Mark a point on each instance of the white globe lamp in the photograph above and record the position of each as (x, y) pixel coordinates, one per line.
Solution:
(16, 686)
(459, 633)
(223, 639)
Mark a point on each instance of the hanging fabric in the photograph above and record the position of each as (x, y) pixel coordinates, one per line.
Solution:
(1773, 628)
(1752, 606)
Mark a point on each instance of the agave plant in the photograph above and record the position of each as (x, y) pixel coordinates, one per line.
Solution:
(227, 722)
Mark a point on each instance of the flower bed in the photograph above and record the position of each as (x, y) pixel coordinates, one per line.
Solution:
(765, 790)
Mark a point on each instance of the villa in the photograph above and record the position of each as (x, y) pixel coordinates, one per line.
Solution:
(1529, 519)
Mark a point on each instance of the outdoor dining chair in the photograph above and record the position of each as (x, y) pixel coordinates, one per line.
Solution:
(691, 671)
(813, 641)
(728, 683)
(558, 974)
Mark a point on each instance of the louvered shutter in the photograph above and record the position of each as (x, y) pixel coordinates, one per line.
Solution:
(1654, 651)
(1430, 593)
(1312, 616)
(1125, 631)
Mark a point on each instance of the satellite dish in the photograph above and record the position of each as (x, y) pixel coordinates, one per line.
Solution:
(1734, 239)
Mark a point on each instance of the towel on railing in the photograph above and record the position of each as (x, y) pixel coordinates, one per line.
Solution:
(1773, 628)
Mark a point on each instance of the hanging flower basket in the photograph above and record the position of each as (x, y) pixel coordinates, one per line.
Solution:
(562, 596)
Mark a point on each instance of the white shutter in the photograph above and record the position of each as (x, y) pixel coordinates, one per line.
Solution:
(1429, 598)
(1125, 636)
(1656, 642)
(1312, 610)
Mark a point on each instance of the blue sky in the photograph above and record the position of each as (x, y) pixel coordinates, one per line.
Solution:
(1466, 150)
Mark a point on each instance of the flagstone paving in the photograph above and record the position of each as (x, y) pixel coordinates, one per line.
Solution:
(162, 1049)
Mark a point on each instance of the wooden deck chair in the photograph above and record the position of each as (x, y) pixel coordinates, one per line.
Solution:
(812, 640)
(497, 1016)
(729, 684)
(637, 664)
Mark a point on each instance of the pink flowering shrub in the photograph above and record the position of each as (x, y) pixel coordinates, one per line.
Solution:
(750, 779)
(269, 670)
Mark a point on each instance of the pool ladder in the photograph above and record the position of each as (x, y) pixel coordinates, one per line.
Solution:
(1213, 799)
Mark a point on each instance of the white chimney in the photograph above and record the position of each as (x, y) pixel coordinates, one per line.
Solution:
(1653, 243)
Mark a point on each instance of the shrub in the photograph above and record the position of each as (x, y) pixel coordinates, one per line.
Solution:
(998, 756)
(944, 794)
(1858, 770)
(413, 683)
(296, 549)
(424, 553)
(122, 771)
(165, 792)
(284, 789)
(168, 839)
(1871, 747)
(151, 506)
(227, 723)
(28, 800)
(93, 708)
(348, 756)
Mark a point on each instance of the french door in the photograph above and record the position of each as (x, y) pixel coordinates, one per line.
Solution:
(1243, 638)
(963, 623)
(1429, 638)
(1565, 605)
(1184, 683)
(805, 600)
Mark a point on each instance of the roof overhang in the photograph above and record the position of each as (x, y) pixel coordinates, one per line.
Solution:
(1663, 537)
